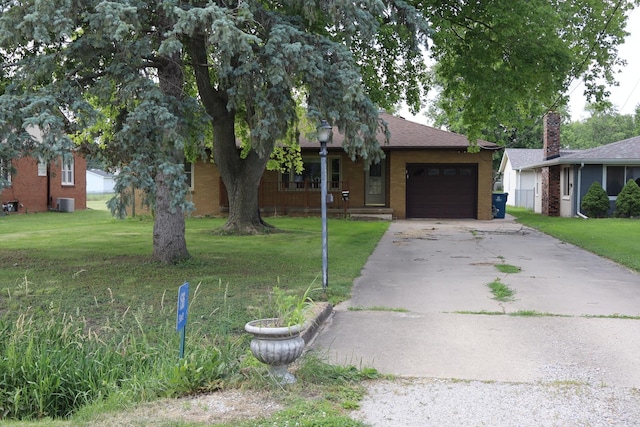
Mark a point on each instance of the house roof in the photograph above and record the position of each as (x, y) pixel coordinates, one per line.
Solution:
(625, 152)
(101, 173)
(408, 134)
(523, 158)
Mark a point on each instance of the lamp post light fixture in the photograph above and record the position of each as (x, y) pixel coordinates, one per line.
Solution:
(324, 134)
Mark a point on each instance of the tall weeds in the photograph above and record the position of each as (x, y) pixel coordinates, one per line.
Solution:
(53, 364)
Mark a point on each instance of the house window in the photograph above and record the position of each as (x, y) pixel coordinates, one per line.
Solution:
(188, 174)
(615, 180)
(67, 171)
(375, 181)
(5, 171)
(311, 175)
(42, 167)
(334, 173)
(633, 172)
(566, 182)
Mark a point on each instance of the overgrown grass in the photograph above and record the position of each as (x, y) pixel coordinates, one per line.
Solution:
(500, 291)
(508, 268)
(51, 368)
(89, 276)
(608, 237)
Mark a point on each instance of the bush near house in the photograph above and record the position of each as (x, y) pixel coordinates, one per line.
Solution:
(628, 201)
(596, 202)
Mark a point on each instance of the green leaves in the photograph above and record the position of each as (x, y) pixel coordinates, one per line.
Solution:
(504, 64)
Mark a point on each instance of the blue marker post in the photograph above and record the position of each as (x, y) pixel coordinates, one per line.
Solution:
(183, 308)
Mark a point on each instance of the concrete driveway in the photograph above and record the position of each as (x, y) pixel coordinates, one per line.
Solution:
(435, 273)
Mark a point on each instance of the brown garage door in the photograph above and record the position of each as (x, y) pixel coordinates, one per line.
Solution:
(442, 190)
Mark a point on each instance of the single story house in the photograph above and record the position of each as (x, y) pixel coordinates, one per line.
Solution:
(427, 173)
(99, 181)
(518, 181)
(562, 178)
(37, 186)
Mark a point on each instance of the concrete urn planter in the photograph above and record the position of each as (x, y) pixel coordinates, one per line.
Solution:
(276, 346)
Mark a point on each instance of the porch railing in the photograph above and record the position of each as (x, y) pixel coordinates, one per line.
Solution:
(282, 197)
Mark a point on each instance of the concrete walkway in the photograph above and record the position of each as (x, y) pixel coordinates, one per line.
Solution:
(436, 272)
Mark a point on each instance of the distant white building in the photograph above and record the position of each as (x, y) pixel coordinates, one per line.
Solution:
(518, 183)
(99, 181)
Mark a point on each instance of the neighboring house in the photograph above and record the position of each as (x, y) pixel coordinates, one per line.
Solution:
(427, 173)
(38, 187)
(518, 181)
(99, 181)
(519, 184)
(562, 178)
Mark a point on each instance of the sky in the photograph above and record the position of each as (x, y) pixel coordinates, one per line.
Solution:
(624, 97)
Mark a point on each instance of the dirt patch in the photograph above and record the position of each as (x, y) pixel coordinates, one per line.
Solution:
(222, 407)
(423, 234)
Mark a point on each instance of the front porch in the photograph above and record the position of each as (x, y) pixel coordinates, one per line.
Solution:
(303, 199)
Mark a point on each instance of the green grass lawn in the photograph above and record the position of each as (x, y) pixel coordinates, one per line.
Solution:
(90, 264)
(81, 287)
(613, 238)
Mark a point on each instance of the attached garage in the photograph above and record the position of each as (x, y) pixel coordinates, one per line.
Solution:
(437, 190)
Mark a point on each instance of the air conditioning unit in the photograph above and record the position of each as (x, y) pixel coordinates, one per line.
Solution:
(66, 205)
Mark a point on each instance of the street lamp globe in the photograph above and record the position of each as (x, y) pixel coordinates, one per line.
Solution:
(324, 131)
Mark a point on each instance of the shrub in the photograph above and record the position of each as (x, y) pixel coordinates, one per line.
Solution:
(596, 202)
(628, 201)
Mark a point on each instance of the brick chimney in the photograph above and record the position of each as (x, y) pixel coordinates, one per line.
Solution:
(550, 191)
(551, 137)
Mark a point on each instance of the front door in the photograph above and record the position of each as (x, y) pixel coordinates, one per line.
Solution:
(375, 185)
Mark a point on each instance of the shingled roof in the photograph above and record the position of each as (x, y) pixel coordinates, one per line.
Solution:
(625, 152)
(522, 158)
(407, 134)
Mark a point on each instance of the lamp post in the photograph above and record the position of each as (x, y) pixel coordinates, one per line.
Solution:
(324, 134)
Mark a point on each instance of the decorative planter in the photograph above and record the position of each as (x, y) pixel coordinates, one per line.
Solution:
(276, 346)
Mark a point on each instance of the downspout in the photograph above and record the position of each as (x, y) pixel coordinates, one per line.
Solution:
(579, 197)
(49, 186)
(518, 188)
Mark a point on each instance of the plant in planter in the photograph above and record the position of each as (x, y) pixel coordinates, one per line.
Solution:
(276, 339)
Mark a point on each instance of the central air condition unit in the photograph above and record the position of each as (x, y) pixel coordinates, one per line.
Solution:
(66, 205)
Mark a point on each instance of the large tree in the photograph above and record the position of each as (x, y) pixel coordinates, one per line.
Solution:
(92, 71)
(602, 127)
(253, 62)
(103, 64)
(501, 65)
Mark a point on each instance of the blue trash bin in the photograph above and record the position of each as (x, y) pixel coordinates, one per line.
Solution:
(499, 202)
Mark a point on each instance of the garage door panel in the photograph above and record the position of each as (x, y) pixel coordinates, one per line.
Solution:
(442, 191)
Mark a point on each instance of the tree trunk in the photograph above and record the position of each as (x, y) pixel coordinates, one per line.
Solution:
(241, 177)
(169, 244)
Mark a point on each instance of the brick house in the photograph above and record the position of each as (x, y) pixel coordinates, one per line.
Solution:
(427, 173)
(38, 187)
